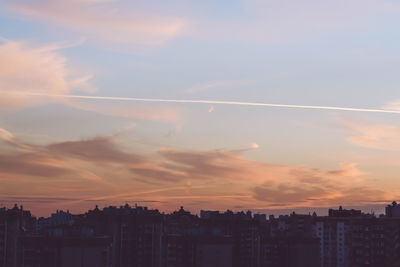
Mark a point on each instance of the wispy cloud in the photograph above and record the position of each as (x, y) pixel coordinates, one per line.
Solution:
(8, 138)
(318, 189)
(6, 135)
(100, 150)
(132, 23)
(347, 169)
(39, 69)
(44, 70)
(395, 105)
(99, 168)
(29, 165)
(375, 136)
(112, 22)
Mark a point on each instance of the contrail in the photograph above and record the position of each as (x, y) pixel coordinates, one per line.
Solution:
(212, 102)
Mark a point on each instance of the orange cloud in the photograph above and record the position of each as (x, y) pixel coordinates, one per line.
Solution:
(347, 169)
(29, 165)
(99, 170)
(283, 193)
(97, 150)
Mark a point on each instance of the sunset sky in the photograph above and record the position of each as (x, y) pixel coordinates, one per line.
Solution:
(58, 152)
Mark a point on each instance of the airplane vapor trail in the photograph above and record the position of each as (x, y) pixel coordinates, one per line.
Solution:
(212, 102)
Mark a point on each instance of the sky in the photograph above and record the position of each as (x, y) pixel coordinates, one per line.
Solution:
(74, 135)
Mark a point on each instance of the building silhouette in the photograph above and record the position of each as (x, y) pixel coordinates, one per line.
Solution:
(128, 236)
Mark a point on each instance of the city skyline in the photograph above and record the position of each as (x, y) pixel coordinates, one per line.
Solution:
(139, 236)
(307, 211)
(242, 105)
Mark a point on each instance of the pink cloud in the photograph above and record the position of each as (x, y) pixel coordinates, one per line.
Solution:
(375, 136)
(103, 20)
(26, 69)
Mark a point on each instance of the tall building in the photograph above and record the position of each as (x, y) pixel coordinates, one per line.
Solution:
(333, 233)
(245, 233)
(393, 211)
(136, 233)
(367, 242)
(14, 224)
